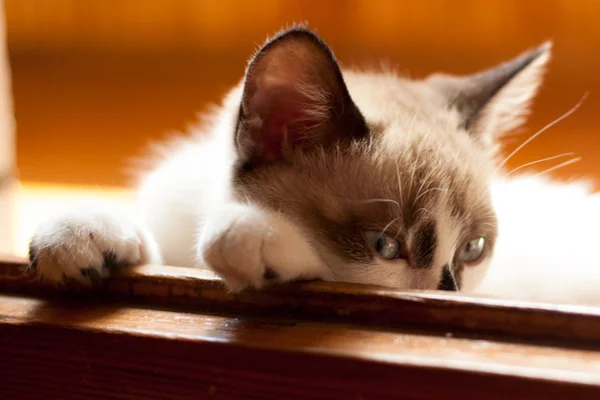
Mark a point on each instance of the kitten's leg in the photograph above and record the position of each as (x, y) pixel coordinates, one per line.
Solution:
(247, 246)
(85, 243)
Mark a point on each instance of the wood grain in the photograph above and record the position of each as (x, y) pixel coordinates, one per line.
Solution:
(193, 289)
(155, 332)
(93, 350)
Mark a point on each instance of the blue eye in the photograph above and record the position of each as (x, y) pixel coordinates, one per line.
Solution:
(472, 251)
(386, 246)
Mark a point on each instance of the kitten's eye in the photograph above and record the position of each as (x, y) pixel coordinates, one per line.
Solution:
(472, 251)
(386, 246)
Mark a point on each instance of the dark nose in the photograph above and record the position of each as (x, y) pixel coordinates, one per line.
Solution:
(447, 282)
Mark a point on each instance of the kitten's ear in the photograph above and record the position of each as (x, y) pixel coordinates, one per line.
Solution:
(493, 102)
(294, 97)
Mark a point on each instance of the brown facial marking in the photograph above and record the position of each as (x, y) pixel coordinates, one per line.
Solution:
(425, 243)
(345, 236)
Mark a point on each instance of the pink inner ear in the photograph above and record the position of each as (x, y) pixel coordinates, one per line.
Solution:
(273, 138)
(285, 124)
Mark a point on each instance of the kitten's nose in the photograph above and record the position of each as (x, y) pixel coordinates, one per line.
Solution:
(447, 282)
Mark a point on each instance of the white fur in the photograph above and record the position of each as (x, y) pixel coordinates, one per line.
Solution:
(187, 212)
(187, 217)
(546, 248)
(80, 239)
(239, 241)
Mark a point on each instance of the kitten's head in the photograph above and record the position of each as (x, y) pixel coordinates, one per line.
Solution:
(387, 178)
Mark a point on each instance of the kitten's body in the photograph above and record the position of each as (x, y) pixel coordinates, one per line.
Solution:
(546, 248)
(235, 199)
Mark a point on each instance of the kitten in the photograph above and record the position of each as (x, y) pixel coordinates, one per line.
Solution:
(308, 171)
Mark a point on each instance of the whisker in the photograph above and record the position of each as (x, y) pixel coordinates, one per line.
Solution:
(537, 162)
(483, 218)
(414, 171)
(489, 212)
(367, 201)
(416, 162)
(423, 209)
(488, 209)
(388, 225)
(399, 186)
(545, 128)
(423, 183)
(429, 190)
(486, 216)
(564, 164)
(489, 224)
(412, 175)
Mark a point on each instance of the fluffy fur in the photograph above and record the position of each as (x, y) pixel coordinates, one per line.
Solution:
(303, 160)
(546, 246)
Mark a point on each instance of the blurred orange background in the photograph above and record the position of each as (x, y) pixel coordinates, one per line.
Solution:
(95, 80)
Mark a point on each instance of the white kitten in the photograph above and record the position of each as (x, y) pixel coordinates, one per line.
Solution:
(305, 172)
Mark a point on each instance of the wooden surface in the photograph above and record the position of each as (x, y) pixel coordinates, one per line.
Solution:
(175, 333)
(94, 81)
(123, 352)
(193, 289)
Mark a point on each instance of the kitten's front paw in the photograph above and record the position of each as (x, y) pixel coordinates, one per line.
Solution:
(84, 245)
(232, 246)
(251, 248)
